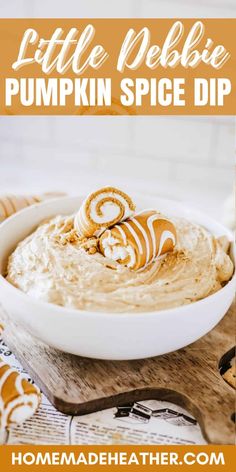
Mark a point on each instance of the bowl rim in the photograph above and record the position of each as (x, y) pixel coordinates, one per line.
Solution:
(61, 310)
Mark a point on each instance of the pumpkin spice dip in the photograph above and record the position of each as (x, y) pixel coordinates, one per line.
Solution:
(106, 258)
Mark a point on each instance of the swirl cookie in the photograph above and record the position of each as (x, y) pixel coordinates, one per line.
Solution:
(19, 399)
(138, 241)
(102, 209)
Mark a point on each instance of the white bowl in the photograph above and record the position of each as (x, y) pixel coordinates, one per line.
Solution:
(109, 335)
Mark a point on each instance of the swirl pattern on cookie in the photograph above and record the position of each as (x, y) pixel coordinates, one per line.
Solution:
(139, 240)
(19, 399)
(102, 209)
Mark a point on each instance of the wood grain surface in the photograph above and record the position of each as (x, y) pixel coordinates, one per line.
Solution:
(189, 377)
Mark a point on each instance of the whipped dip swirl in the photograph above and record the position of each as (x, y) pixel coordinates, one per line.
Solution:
(50, 266)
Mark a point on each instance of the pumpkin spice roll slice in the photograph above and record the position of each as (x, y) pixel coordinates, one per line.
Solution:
(101, 209)
(19, 399)
(138, 241)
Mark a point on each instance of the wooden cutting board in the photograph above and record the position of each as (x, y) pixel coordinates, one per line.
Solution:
(189, 377)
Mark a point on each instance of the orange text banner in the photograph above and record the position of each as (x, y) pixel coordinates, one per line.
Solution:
(117, 66)
(50, 458)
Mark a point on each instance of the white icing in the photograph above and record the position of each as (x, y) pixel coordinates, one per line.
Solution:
(24, 406)
(133, 232)
(109, 241)
(122, 233)
(109, 211)
(21, 404)
(146, 211)
(18, 385)
(164, 237)
(150, 222)
(148, 231)
(113, 250)
(21, 413)
(145, 238)
(116, 252)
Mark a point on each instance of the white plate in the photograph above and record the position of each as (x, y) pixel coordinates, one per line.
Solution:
(109, 335)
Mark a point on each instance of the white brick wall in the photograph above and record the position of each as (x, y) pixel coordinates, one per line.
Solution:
(189, 158)
(186, 157)
(173, 139)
